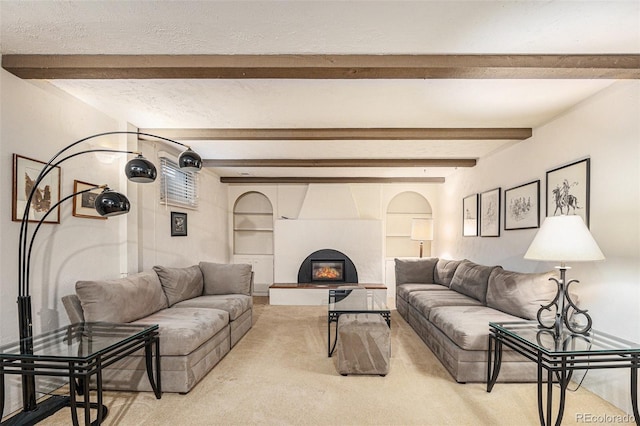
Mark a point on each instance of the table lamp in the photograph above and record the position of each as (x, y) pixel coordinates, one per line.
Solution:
(564, 238)
(421, 230)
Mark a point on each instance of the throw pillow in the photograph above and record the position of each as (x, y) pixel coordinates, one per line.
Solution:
(444, 270)
(415, 270)
(521, 294)
(222, 278)
(122, 300)
(471, 279)
(180, 283)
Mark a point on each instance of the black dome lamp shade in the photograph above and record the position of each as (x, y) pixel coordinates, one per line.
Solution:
(140, 170)
(190, 161)
(111, 203)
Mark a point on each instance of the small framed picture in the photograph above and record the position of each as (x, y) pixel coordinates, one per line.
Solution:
(470, 216)
(568, 190)
(522, 206)
(490, 213)
(46, 195)
(178, 224)
(84, 205)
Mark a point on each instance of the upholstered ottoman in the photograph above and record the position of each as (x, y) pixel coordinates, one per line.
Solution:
(364, 344)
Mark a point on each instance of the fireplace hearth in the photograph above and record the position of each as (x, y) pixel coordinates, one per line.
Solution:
(327, 266)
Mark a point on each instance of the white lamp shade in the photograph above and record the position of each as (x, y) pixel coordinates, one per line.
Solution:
(564, 239)
(422, 229)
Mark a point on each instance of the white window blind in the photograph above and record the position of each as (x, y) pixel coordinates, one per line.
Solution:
(177, 187)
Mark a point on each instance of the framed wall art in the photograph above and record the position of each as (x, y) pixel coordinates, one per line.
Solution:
(470, 216)
(490, 213)
(25, 173)
(568, 190)
(84, 205)
(178, 224)
(522, 206)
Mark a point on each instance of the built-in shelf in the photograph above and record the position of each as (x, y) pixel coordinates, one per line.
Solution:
(253, 225)
(401, 210)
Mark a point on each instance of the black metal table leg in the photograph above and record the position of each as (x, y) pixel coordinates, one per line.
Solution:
(492, 375)
(634, 388)
(72, 394)
(1, 389)
(155, 382)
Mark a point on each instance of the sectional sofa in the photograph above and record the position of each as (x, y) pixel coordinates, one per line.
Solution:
(202, 312)
(449, 304)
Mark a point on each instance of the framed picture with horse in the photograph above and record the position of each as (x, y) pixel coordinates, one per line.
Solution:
(46, 195)
(568, 190)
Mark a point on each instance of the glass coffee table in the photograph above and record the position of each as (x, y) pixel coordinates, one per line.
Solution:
(353, 300)
(560, 355)
(79, 352)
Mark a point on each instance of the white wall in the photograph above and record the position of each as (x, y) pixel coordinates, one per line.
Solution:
(605, 128)
(36, 122)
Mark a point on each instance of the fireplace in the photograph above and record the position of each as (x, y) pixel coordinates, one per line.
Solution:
(327, 266)
(327, 270)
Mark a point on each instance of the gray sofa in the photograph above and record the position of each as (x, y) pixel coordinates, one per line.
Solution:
(450, 303)
(202, 312)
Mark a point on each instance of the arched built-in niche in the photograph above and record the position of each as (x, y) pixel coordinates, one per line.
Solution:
(253, 224)
(401, 209)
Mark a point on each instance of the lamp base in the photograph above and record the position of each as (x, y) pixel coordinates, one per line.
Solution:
(561, 303)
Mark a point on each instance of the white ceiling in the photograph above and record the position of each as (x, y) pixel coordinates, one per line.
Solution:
(315, 27)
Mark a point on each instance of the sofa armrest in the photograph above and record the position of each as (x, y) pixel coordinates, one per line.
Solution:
(73, 307)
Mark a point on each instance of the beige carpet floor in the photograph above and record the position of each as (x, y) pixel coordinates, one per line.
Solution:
(279, 374)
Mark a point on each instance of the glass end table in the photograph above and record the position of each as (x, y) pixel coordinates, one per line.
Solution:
(560, 355)
(78, 351)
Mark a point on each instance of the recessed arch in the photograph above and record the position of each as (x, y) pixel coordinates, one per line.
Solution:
(252, 224)
(402, 208)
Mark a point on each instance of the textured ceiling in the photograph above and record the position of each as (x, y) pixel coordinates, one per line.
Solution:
(310, 27)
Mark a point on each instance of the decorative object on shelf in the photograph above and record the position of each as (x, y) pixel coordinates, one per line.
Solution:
(490, 213)
(178, 224)
(107, 203)
(565, 239)
(421, 230)
(84, 205)
(470, 216)
(46, 192)
(522, 206)
(568, 190)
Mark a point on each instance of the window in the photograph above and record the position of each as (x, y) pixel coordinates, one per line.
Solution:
(177, 187)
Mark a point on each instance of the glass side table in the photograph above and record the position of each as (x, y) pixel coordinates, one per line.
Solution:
(79, 351)
(560, 356)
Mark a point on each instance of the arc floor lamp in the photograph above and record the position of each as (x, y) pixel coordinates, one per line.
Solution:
(107, 203)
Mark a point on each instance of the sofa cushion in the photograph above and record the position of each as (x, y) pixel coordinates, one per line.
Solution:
(180, 283)
(444, 270)
(415, 270)
(425, 301)
(468, 326)
(183, 330)
(403, 290)
(520, 294)
(471, 279)
(222, 278)
(234, 304)
(122, 300)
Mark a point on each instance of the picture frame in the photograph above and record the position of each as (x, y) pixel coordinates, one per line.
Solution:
(178, 224)
(470, 216)
(522, 206)
(489, 216)
(84, 204)
(567, 190)
(25, 172)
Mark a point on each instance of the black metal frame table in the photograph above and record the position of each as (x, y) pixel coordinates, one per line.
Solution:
(78, 352)
(560, 355)
(358, 300)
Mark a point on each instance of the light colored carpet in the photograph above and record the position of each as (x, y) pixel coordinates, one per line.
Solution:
(279, 374)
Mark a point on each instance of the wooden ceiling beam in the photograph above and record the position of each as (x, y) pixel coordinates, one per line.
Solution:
(607, 66)
(362, 162)
(500, 133)
(274, 180)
